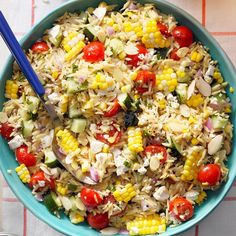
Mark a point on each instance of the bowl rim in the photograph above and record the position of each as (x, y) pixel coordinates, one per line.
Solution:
(183, 227)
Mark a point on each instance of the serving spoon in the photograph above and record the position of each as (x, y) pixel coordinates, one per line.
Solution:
(35, 83)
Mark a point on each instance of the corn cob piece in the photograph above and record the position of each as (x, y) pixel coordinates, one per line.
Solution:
(190, 167)
(75, 51)
(76, 217)
(66, 141)
(101, 82)
(195, 100)
(152, 37)
(23, 173)
(11, 89)
(166, 80)
(135, 141)
(70, 41)
(144, 225)
(63, 104)
(61, 189)
(125, 194)
(201, 197)
(196, 56)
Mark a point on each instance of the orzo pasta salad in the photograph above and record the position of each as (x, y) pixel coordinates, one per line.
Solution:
(146, 117)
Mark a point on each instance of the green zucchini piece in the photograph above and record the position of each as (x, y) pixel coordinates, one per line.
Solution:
(27, 128)
(116, 46)
(74, 111)
(181, 91)
(78, 125)
(50, 158)
(125, 101)
(219, 122)
(52, 202)
(90, 33)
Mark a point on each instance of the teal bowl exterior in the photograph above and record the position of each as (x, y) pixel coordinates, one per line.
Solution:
(7, 159)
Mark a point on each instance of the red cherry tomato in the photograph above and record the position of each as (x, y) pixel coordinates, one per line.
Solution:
(90, 197)
(134, 60)
(39, 47)
(24, 157)
(209, 174)
(143, 80)
(6, 130)
(181, 208)
(173, 55)
(183, 36)
(105, 137)
(163, 29)
(113, 110)
(40, 176)
(94, 52)
(98, 221)
(154, 149)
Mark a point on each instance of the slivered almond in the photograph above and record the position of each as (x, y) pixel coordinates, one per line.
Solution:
(191, 89)
(215, 144)
(203, 87)
(182, 52)
(109, 231)
(131, 49)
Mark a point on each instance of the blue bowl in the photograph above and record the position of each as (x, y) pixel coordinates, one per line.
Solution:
(7, 159)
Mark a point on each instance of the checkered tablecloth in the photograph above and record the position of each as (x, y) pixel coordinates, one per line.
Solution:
(218, 16)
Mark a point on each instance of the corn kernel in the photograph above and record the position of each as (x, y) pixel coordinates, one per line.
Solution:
(11, 89)
(61, 189)
(76, 217)
(195, 101)
(55, 74)
(196, 56)
(231, 89)
(201, 197)
(23, 173)
(124, 194)
(194, 141)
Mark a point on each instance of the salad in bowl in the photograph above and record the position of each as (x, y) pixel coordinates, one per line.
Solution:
(146, 117)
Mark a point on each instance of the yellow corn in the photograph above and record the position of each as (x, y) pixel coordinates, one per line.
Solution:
(218, 77)
(201, 197)
(196, 56)
(231, 89)
(146, 225)
(105, 148)
(180, 74)
(190, 167)
(66, 141)
(101, 82)
(61, 189)
(228, 110)
(195, 101)
(152, 37)
(70, 41)
(76, 217)
(23, 173)
(166, 80)
(124, 194)
(63, 104)
(192, 120)
(162, 103)
(75, 51)
(194, 141)
(135, 140)
(85, 166)
(122, 55)
(116, 27)
(126, 89)
(55, 74)
(11, 89)
(127, 27)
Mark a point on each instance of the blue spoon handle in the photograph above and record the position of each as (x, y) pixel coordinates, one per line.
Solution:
(20, 57)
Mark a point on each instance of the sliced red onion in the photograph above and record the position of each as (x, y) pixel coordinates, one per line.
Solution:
(110, 30)
(208, 124)
(123, 231)
(94, 174)
(199, 73)
(132, 6)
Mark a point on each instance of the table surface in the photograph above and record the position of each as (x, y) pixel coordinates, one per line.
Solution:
(217, 16)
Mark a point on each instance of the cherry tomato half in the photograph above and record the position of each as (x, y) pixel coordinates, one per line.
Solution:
(181, 208)
(106, 137)
(163, 29)
(39, 47)
(40, 176)
(143, 80)
(209, 174)
(154, 149)
(90, 197)
(24, 157)
(94, 52)
(183, 36)
(134, 60)
(6, 130)
(113, 110)
(98, 221)
(173, 55)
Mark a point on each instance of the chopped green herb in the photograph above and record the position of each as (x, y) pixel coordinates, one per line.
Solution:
(74, 68)
(127, 164)
(161, 53)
